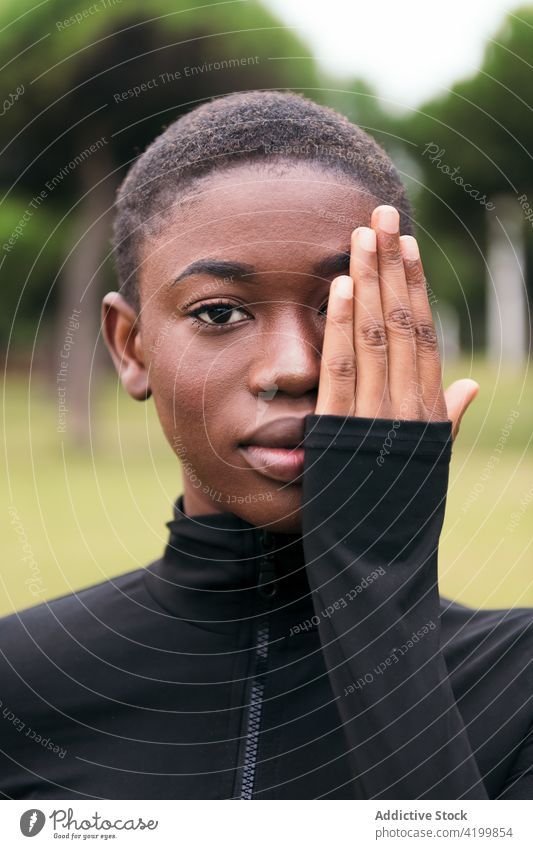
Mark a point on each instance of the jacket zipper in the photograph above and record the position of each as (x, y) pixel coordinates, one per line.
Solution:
(267, 588)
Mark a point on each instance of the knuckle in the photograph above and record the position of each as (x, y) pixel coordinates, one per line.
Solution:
(426, 337)
(416, 279)
(343, 319)
(342, 366)
(367, 276)
(400, 320)
(374, 335)
(390, 252)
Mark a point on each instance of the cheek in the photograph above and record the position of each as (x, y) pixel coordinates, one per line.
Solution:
(199, 387)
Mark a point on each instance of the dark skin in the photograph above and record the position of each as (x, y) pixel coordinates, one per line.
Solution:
(271, 348)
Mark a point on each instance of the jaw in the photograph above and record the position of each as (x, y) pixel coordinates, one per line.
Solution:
(267, 503)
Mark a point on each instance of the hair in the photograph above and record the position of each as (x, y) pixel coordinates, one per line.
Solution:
(251, 126)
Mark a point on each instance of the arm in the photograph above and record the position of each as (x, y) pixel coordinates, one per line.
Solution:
(371, 536)
(374, 491)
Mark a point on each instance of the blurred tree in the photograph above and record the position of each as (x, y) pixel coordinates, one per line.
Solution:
(356, 99)
(480, 131)
(72, 123)
(85, 88)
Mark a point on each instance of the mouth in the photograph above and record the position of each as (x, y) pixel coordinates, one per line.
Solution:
(274, 449)
(280, 464)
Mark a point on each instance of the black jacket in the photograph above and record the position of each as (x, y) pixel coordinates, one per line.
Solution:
(246, 664)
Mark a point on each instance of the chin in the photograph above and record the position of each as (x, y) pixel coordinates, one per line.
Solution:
(281, 514)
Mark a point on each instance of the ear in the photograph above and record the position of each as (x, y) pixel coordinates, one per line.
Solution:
(122, 334)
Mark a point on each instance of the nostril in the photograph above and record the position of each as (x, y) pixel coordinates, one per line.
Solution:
(268, 391)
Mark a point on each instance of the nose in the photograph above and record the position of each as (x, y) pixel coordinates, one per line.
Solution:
(288, 361)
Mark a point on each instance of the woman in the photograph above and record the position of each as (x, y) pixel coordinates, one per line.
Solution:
(291, 642)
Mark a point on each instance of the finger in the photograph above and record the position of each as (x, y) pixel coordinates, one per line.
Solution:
(336, 389)
(370, 339)
(427, 349)
(459, 395)
(396, 313)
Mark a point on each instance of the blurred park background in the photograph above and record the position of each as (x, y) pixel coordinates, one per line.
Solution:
(88, 500)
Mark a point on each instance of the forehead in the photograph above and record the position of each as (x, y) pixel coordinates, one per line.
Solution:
(264, 214)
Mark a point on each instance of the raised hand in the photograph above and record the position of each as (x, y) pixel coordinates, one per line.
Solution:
(380, 357)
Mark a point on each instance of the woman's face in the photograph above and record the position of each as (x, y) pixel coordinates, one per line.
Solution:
(233, 293)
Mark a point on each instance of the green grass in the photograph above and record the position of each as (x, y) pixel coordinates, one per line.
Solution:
(486, 558)
(84, 517)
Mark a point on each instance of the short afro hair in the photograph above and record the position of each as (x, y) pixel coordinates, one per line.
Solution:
(241, 128)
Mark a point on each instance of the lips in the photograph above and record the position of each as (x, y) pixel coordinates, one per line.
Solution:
(287, 432)
(272, 449)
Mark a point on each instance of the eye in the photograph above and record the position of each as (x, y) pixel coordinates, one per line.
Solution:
(219, 314)
(323, 309)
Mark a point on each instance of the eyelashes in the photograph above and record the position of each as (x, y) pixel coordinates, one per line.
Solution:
(221, 314)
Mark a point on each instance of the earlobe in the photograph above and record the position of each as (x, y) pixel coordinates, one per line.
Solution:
(122, 335)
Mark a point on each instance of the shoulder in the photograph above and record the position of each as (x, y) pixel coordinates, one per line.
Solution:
(102, 596)
(459, 618)
(61, 661)
(494, 638)
(57, 634)
(488, 657)
(61, 650)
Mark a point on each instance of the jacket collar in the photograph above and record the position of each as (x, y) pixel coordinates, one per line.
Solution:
(218, 569)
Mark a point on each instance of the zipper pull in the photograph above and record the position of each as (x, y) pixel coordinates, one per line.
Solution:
(267, 585)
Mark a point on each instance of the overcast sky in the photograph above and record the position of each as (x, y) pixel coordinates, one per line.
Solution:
(406, 51)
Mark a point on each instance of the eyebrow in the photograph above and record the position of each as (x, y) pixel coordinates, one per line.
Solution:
(328, 266)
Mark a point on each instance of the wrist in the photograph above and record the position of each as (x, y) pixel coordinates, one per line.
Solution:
(379, 436)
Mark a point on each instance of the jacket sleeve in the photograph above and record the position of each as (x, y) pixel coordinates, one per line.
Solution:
(374, 494)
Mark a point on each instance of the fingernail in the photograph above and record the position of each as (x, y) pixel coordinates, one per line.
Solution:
(388, 219)
(409, 247)
(344, 287)
(367, 238)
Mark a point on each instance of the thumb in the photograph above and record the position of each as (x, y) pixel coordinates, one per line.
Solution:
(459, 395)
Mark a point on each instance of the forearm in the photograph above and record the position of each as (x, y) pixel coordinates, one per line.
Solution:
(371, 525)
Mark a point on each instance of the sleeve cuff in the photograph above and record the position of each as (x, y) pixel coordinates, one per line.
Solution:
(379, 436)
